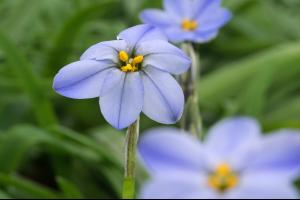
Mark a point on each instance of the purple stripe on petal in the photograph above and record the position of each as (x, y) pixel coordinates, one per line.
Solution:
(164, 99)
(123, 105)
(82, 79)
(164, 56)
(105, 51)
(113, 78)
(141, 33)
(208, 22)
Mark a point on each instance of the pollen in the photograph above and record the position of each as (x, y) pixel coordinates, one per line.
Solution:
(189, 25)
(129, 68)
(130, 64)
(223, 178)
(123, 56)
(137, 60)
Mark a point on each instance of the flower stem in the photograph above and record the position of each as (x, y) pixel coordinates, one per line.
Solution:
(191, 120)
(130, 160)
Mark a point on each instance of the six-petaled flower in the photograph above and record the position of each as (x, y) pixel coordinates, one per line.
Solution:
(235, 161)
(189, 20)
(130, 75)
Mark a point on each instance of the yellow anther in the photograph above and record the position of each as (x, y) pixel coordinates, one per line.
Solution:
(129, 68)
(232, 181)
(123, 56)
(223, 169)
(223, 178)
(137, 60)
(189, 25)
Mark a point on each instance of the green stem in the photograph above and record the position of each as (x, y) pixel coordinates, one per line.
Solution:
(130, 160)
(191, 120)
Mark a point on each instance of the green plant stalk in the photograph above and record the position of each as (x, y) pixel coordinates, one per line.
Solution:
(191, 120)
(130, 160)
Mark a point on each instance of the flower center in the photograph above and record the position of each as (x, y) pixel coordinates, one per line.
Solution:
(223, 178)
(189, 25)
(130, 64)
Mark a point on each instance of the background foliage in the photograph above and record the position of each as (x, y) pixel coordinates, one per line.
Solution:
(53, 147)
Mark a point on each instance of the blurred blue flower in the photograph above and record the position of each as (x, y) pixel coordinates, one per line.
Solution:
(236, 161)
(129, 75)
(188, 20)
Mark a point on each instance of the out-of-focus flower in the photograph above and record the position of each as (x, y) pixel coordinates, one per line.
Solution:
(129, 75)
(236, 161)
(188, 20)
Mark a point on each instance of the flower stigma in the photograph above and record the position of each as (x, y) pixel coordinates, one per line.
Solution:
(130, 64)
(223, 178)
(189, 25)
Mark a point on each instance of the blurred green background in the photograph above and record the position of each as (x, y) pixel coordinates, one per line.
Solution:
(53, 147)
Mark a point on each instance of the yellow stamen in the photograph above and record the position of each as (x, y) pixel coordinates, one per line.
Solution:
(189, 25)
(129, 68)
(223, 169)
(137, 60)
(123, 56)
(223, 178)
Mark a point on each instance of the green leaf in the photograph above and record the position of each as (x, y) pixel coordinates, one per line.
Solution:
(30, 82)
(66, 37)
(28, 188)
(69, 189)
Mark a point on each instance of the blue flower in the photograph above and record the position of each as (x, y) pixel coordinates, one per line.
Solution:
(189, 20)
(234, 162)
(130, 75)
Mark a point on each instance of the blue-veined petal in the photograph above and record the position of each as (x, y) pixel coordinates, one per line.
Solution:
(157, 17)
(164, 56)
(279, 154)
(123, 105)
(208, 22)
(164, 99)
(178, 9)
(200, 6)
(262, 186)
(164, 149)
(141, 33)
(82, 79)
(113, 78)
(105, 51)
(233, 140)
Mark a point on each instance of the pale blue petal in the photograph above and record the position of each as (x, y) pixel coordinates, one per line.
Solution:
(208, 22)
(82, 79)
(105, 51)
(201, 6)
(164, 99)
(177, 8)
(113, 78)
(141, 33)
(176, 34)
(123, 105)
(203, 37)
(179, 185)
(233, 140)
(263, 186)
(280, 154)
(157, 17)
(164, 56)
(164, 149)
